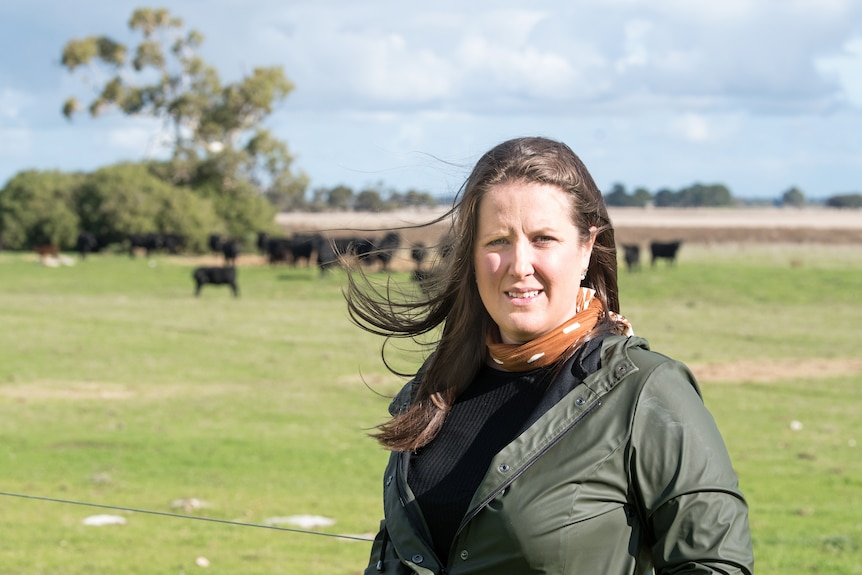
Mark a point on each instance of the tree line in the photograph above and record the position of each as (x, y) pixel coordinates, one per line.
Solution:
(51, 207)
(713, 195)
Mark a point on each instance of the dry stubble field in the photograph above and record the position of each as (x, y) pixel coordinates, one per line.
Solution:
(633, 225)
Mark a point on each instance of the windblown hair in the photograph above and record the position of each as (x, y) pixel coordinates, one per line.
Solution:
(454, 302)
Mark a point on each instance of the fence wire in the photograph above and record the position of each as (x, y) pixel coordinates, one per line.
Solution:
(182, 516)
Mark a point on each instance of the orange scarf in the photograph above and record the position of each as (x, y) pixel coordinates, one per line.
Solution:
(546, 349)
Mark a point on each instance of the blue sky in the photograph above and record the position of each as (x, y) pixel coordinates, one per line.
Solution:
(758, 95)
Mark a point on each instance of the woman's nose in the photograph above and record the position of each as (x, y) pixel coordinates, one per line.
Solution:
(522, 260)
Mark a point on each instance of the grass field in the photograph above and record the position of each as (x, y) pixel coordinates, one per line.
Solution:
(118, 387)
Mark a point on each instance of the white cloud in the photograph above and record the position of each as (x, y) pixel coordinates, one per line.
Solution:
(390, 70)
(495, 71)
(691, 127)
(701, 128)
(847, 69)
(636, 53)
(555, 58)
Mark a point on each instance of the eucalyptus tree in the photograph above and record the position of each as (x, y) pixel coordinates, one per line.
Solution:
(215, 130)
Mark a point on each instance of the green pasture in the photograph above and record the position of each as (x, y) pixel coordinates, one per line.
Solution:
(118, 387)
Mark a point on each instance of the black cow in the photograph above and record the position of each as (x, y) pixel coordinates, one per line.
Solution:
(302, 247)
(664, 250)
(331, 251)
(215, 243)
(154, 241)
(215, 276)
(230, 251)
(327, 253)
(369, 251)
(173, 243)
(387, 248)
(363, 249)
(85, 244)
(150, 242)
(418, 253)
(632, 254)
(279, 250)
(262, 242)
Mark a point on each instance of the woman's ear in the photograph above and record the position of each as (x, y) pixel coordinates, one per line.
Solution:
(593, 233)
(588, 247)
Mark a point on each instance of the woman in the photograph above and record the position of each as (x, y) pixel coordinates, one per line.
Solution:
(541, 436)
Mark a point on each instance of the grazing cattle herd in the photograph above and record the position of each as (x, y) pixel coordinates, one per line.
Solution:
(304, 249)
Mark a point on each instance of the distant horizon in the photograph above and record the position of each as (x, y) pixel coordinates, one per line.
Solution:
(448, 197)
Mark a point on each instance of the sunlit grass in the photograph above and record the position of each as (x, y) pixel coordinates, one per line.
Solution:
(117, 386)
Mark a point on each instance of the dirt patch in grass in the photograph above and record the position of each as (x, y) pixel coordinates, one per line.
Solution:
(88, 390)
(765, 370)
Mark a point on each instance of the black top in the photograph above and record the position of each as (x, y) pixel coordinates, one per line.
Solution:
(491, 412)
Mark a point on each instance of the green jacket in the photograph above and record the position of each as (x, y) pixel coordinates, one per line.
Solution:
(626, 474)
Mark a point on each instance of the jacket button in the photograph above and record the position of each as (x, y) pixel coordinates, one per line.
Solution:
(580, 401)
(464, 555)
(503, 468)
(418, 558)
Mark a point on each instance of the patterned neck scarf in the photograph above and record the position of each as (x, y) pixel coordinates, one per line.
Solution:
(546, 349)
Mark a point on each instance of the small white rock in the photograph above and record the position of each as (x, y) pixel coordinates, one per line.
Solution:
(304, 521)
(796, 425)
(188, 504)
(99, 520)
(202, 562)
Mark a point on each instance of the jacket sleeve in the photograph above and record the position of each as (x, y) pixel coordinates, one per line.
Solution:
(682, 474)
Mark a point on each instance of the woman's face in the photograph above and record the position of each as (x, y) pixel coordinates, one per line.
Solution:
(528, 258)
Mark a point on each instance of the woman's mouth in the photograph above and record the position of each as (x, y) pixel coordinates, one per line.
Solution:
(522, 295)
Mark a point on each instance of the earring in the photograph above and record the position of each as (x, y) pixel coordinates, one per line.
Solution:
(584, 275)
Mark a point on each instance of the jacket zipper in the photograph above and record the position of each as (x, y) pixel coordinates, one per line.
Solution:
(469, 517)
(383, 543)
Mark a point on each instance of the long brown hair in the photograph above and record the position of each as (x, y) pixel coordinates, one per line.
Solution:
(453, 302)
